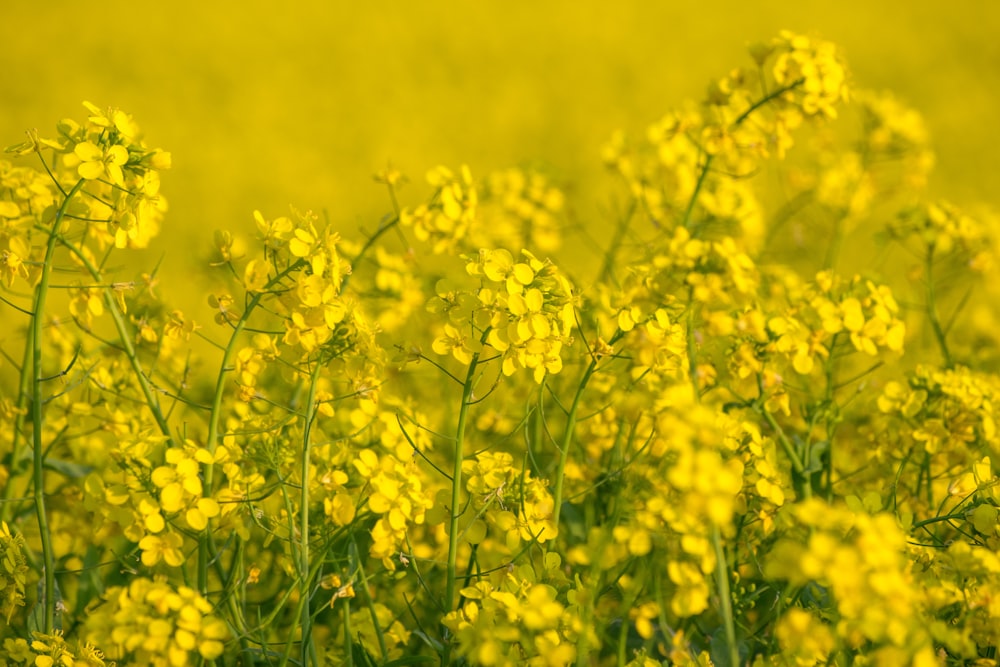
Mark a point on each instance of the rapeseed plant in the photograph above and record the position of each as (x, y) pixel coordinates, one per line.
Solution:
(435, 444)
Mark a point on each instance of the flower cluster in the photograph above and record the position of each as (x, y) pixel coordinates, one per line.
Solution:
(942, 228)
(115, 167)
(810, 68)
(49, 650)
(396, 495)
(516, 623)
(444, 220)
(860, 561)
(15, 570)
(151, 622)
(747, 115)
(866, 315)
(516, 507)
(524, 309)
(520, 209)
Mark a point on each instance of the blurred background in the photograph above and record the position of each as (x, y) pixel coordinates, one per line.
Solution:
(265, 107)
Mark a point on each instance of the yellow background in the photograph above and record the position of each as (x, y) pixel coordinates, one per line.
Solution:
(266, 104)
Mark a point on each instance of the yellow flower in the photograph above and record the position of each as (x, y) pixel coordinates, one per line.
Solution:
(97, 162)
(690, 597)
(453, 342)
(166, 547)
(12, 260)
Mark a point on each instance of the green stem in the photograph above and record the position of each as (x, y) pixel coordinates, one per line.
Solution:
(686, 220)
(567, 438)
(41, 294)
(125, 338)
(767, 98)
(932, 315)
(456, 480)
(348, 639)
(725, 596)
(208, 469)
(692, 351)
(301, 606)
(306, 582)
(939, 519)
(368, 245)
(369, 601)
(786, 445)
(836, 243)
(607, 271)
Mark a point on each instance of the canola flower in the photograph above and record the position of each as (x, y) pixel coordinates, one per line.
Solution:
(437, 442)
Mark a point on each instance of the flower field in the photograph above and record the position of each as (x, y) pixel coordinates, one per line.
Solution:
(759, 427)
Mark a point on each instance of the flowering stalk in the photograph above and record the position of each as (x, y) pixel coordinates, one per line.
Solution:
(707, 165)
(124, 338)
(208, 470)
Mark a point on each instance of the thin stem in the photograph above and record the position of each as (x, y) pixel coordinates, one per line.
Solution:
(607, 271)
(125, 338)
(348, 640)
(368, 245)
(725, 596)
(306, 582)
(939, 519)
(706, 166)
(369, 602)
(567, 438)
(456, 479)
(686, 221)
(932, 315)
(786, 445)
(692, 350)
(208, 469)
(41, 294)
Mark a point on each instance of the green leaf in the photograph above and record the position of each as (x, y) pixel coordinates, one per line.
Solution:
(71, 470)
(36, 619)
(361, 656)
(430, 641)
(719, 650)
(984, 519)
(816, 457)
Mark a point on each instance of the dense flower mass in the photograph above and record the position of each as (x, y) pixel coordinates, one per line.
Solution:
(728, 441)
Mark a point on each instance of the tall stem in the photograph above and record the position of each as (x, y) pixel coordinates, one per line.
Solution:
(306, 581)
(567, 438)
(725, 596)
(208, 470)
(707, 165)
(932, 315)
(456, 481)
(41, 294)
